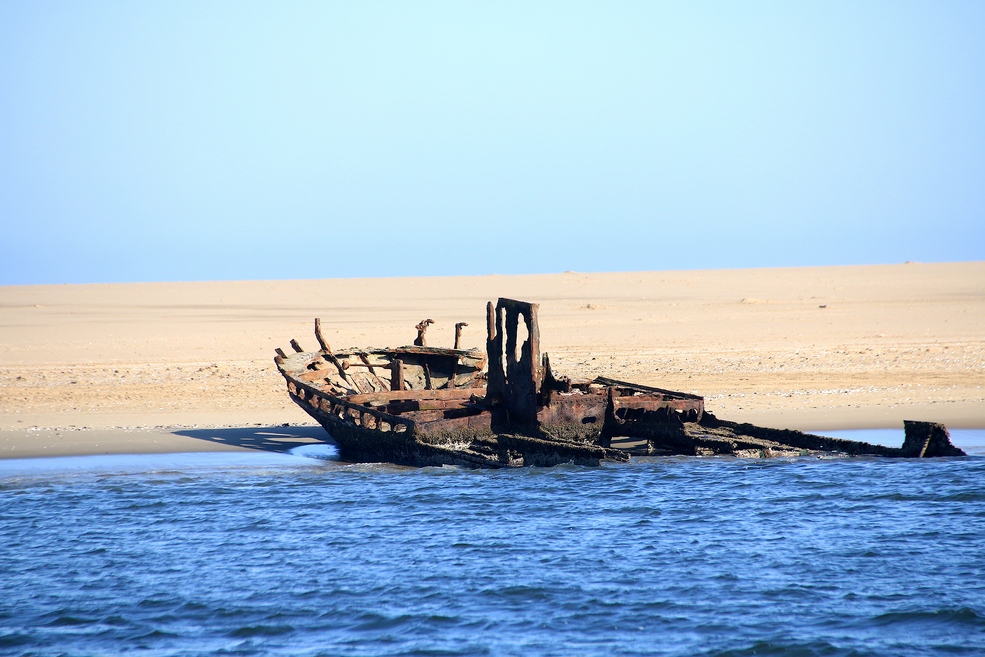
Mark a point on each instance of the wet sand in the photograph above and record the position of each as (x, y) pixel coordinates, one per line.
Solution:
(33, 443)
(808, 348)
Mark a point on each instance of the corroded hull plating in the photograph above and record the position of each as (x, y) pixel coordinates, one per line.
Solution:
(425, 406)
(430, 427)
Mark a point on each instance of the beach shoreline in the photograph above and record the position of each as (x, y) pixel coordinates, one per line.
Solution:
(809, 348)
(41, 443)
(46, 443)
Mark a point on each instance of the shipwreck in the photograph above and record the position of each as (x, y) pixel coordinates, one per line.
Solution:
(505, 407)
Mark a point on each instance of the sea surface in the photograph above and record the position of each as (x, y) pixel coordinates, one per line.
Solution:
(300, 554)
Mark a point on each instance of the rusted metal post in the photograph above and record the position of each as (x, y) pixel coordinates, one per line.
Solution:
(397, 374)
(318, 336)
(533, 333)
(514, 379)
(427, 375)
(421, 330)
(458, 334)
(494, 355)
(327, 351)
(296, 346)
(490, 321)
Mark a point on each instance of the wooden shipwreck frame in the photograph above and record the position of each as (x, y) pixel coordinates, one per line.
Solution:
(421, 405)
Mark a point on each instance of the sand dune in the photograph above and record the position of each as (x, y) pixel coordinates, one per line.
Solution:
(819, 347)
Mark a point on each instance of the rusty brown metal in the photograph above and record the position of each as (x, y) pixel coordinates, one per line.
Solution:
(574, 410)
(421, 330)
(296, 346)
(526, 415)
(428, 384)
(626, 386)
(327, 351)
(438, 351)
(461, 394)
(516, 382)
(443, 425)
(372, 371)
(397, 375)
(426, 404)
(318, 336)
(494, 354)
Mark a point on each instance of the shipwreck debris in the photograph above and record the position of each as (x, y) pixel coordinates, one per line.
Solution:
(421, 330)
(927, 439)
(507, 408)
(458, 334)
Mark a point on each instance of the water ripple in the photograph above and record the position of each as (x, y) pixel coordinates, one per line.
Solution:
(678, 556)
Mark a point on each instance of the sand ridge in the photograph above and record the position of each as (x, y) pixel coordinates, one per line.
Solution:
(812, 347)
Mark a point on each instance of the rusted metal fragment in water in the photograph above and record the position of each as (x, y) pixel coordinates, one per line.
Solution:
(928, 439)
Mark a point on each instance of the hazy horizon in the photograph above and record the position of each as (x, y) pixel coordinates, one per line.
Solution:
(281, 279)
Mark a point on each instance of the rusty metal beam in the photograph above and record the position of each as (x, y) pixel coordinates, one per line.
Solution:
(463, 394)
(645, 389)
(318, 336)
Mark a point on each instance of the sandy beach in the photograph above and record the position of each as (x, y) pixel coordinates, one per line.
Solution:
(121, 367)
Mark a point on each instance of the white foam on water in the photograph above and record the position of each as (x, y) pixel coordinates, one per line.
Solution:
(971, 441)
(303, 456)
(320, 451)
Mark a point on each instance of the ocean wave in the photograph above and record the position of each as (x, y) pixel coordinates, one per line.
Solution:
(666, 557)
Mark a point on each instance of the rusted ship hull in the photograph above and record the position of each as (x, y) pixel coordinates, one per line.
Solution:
(422, 406)
(451, 426)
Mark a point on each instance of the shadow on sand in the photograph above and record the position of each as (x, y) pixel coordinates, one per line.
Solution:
(268, 439)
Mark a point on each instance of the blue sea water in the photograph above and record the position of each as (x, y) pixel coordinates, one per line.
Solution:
(272, 554)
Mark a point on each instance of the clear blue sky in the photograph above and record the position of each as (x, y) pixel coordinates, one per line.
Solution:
(173, 140)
